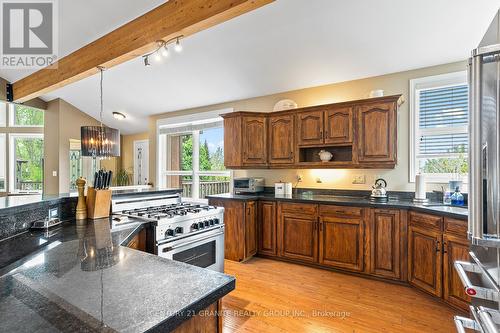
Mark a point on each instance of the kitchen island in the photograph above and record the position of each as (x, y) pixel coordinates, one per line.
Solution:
(82, 277)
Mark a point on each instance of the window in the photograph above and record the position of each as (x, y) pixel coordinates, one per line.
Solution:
(3, 114)
(25, 116)
(439, 130)
(26, 163)
(191, 157)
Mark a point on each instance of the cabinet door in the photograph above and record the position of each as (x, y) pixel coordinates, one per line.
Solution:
(341, 242)
(310, 128)
(281, 139)
(425, 259)
(254, 141)
(298, 237)
(385, 243)
(234, 231)
(377, 133)
(454, 248)
(232, 142)
(267, 228)
(250, 229)
(338, 125)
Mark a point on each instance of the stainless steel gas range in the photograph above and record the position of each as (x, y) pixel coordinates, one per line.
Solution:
(189, 232)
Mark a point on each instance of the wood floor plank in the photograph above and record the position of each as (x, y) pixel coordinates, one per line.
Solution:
(274, 296)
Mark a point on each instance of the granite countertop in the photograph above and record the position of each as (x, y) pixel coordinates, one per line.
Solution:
(346, 200)
(80, 278)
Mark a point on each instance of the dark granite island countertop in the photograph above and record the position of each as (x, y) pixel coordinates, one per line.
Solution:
(81, 279)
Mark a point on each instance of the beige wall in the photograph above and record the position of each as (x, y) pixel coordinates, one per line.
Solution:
(62, 123)
(396, 83)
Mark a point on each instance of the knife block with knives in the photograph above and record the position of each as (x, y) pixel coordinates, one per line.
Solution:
(99, 196)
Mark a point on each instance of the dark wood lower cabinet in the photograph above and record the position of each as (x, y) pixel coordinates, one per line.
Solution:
(425, 259)
(298, 236)
(454, 248)
(206, 321)
(267, 228)
(341, 242)
(386, 244)
(240, 220)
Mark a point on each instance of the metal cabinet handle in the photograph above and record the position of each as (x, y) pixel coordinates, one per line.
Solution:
(475, 291)
(170, 248)
(438, 249)
(445, 247)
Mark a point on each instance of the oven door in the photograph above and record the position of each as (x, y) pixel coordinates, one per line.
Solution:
(204, 250)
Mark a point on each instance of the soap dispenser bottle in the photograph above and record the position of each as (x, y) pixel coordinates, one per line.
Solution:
(457, 198)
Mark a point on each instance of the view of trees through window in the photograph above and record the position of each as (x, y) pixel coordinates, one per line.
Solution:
(28, 163)
(27, 116)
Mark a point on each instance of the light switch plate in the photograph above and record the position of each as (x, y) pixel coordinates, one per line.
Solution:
(54, 173)
(359, 179)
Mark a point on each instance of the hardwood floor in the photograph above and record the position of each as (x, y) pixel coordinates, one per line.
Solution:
(274, 296)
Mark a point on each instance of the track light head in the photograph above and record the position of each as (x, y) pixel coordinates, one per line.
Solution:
(164, 51)
(146, 61)
(178, 46)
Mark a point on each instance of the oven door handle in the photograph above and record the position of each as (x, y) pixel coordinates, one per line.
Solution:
(170, 248)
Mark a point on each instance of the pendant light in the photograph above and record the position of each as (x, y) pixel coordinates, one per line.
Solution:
(100, 141)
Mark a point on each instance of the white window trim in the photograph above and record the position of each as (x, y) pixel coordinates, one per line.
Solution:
(12, 163)
(4, 160)
(162, 145)
(436, 81)
(12, 123)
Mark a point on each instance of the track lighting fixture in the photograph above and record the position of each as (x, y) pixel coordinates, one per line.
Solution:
(162, 50)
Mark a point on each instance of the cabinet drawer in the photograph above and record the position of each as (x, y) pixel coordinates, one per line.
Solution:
(456, 227)
(340, 210)
(426, 220)
(299, 208)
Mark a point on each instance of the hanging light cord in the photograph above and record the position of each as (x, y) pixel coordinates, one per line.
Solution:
(101, 69)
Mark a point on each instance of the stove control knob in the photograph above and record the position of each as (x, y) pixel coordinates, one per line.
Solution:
(211, 221)
(201, 225)
(194, 226)
(216, 221)
(170, 232)
(179, 230)
(207, 223)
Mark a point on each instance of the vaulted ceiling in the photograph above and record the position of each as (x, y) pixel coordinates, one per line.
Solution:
(289, 44)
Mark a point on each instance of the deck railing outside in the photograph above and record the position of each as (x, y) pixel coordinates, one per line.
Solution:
(206, 188)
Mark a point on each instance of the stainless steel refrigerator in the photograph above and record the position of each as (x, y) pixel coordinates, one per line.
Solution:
(481, 275)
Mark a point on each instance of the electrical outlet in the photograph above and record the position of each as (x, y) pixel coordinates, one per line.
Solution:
(318, 180)
(299, 178)
(54, 173)
(359, 179)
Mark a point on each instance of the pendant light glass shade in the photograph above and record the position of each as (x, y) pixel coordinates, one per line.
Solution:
(100, 141)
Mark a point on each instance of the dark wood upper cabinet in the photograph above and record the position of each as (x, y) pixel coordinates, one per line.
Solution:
(425, 259)
(454, 248)
(377, 132)
(232, 142)
(281, 139)
(338, 125)
(254, 140)
(267, 228)
(385, 230)
(341, 242)
(310, 128)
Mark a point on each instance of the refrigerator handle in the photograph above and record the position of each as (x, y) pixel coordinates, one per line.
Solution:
(475, 161)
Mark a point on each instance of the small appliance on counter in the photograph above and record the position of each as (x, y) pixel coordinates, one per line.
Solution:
(248, 185)
(282, 188)
(51, 220)
(379, 192)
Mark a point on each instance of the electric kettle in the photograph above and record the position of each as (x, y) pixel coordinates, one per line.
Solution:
(379, 192)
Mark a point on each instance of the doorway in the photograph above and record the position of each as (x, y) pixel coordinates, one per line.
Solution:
(141, 162)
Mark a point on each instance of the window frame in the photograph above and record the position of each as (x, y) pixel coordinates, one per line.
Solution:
(6, 176)
(12, 165)
(164, 146)
(12, 117)
(430, 82)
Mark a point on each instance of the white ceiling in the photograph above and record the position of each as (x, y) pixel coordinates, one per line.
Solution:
(289, 44)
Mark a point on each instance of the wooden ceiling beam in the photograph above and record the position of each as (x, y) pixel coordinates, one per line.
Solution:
(132, 40)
